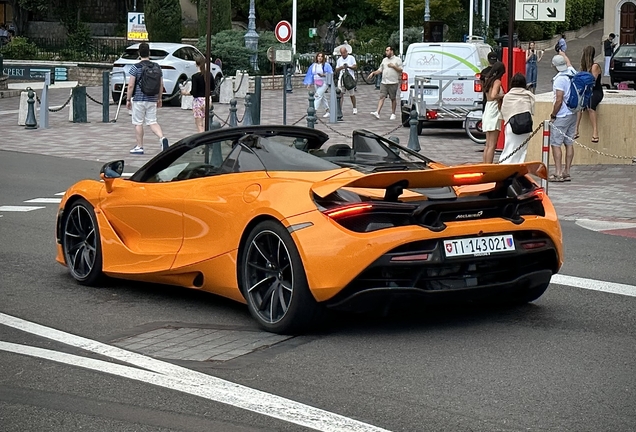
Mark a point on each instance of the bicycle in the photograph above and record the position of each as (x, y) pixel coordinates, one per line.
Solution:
(472, 126)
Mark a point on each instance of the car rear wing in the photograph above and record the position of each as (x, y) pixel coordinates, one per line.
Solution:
(462, 175)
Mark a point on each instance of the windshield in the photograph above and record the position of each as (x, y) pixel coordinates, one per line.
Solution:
(626, 51)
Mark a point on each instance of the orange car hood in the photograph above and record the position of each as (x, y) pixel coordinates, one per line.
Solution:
(452, 176)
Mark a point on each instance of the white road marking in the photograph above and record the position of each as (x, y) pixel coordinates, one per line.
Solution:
(596, 285)
(9, 112)
(174, 377)
(60, 193)
(127, 174)
(44, 201)
(19, 208)
(597, 225)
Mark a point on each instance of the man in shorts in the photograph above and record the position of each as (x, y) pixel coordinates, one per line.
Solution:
(347, 64)
(562, 118)
(391, 70)
(144, 107)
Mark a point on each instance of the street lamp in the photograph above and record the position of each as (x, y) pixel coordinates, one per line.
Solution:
(251, 37)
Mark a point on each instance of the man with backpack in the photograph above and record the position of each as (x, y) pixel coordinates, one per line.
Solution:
(145, 88)
(563, 119)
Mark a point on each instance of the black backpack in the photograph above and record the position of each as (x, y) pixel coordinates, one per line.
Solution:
(150, 80)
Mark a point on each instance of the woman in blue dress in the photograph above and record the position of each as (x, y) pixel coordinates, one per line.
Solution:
(532, 58)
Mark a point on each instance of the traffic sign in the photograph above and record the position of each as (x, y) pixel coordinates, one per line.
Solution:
(540, 10)
(283, 31)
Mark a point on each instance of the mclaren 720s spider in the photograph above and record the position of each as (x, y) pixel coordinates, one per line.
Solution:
(279, 219)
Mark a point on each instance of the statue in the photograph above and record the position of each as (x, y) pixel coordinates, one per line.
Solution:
(332, 33)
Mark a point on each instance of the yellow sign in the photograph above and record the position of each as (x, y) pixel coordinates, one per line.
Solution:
(138, 36)
(136, 30)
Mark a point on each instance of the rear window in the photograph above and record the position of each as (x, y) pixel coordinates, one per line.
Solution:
(626, 51)
(133, 54)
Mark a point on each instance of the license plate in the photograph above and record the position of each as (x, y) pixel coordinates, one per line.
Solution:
(429, 92)
(630, 64)
(472, 124)
(479, 246)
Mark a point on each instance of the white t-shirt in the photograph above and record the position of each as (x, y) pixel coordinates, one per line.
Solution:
(349, 61)
(561, 81)
(390, 75)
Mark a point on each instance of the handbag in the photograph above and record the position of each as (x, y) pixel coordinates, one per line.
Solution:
(521, 123)
(319, 82)
(348, 81)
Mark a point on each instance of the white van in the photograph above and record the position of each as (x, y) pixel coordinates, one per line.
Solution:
(441, 79)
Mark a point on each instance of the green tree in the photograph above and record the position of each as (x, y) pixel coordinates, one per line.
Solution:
(163, 20)
(21, 9)
(221, 15)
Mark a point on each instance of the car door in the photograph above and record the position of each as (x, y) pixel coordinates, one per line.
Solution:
(147, 219)
(186, 61)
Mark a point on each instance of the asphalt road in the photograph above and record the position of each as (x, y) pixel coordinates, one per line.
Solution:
(563, 363)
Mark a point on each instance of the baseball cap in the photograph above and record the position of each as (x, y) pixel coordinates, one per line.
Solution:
(559, 63)
(492, 57)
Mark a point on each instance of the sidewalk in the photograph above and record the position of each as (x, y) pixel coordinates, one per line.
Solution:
(599, 192)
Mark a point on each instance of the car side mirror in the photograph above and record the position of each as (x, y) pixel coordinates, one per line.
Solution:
(110, 172)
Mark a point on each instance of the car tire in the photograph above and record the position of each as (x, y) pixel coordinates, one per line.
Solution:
(116, 96)
(273, 281)
(420, 126)
(406, 118)
(81, 243)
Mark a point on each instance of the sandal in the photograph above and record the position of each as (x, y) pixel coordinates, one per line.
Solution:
(576, 135)
(555, 178)
(594, 139)
(566, 177)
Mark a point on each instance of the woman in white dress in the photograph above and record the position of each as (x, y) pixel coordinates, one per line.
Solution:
(518, 100)
(491, 119)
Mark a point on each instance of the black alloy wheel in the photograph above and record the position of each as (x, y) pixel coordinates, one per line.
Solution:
(273, 281)
(81, 243)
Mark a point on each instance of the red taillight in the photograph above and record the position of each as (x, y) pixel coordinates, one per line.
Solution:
(350, 210)
(612, 64)
(533, 245)
(431, 115)
(167, 67)
(477, 84)
(468, 176)
(404, 85)
(118, 65)
(538, 193)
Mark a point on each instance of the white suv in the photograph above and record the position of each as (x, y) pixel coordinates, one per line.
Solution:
(176, 61)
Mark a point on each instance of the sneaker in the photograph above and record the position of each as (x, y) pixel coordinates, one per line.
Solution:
(355, 111)
(326, 114)
(376, 115)
(392, 117)
(164, 143)
(137, 150)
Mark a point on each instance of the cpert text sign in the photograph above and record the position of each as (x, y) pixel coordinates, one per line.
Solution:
(540, 10)
(136, 30)
(35, 73)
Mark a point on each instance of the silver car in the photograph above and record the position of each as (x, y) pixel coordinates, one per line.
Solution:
(177, 64)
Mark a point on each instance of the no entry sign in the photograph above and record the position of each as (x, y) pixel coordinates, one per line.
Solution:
(283, 31)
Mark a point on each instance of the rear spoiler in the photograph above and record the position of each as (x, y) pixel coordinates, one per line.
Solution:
(453, 176)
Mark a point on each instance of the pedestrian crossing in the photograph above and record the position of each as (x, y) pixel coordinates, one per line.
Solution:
(28, 204)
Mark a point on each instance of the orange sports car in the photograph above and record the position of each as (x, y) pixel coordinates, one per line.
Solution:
(276, 217)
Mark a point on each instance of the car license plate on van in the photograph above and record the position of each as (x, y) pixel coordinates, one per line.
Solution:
(429, 92)
(479, 246)
(630, 64)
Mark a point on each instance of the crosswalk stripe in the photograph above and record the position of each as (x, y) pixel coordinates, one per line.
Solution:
(44, 201)
(19, 208)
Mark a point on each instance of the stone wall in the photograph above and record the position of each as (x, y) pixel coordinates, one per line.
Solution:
(55, 30)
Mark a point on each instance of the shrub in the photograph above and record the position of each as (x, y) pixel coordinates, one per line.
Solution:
(163, 20)
(20, 48)
(411, 35)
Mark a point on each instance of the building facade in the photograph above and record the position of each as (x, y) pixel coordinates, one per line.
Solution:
(620, 19)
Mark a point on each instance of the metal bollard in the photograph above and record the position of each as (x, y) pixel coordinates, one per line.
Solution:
(256, 103)
(79, 105)
(233, 116)
(339, 99)
(247, 117)
(378, 81)
(414, 139)
(311, 111)
(214, 125)
(31, 122)
(288, 78)
(105, 97)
